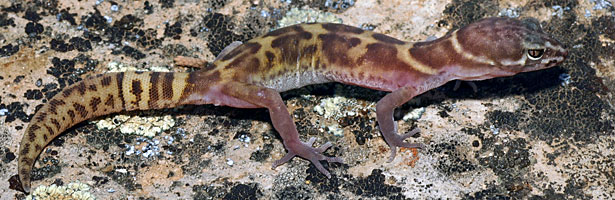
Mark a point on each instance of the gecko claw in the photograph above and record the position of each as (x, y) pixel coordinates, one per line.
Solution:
(314, 155)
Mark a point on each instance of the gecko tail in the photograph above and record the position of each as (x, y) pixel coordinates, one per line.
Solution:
(100, 95)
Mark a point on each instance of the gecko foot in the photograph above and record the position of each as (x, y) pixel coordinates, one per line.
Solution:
(305, 150)
(398, 141)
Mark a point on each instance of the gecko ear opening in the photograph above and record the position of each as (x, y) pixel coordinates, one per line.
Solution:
(535, 54)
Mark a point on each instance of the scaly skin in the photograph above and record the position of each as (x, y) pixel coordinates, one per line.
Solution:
(251, 75)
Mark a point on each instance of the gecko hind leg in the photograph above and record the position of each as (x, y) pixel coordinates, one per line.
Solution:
(388, 128)
(283, 123)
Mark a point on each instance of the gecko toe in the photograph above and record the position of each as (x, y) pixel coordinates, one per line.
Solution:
(398, 140)
(324, 147)
(393, 153)
(334, 159)
(321, 168)
(311, 141)
(282, 160)
(411, 133)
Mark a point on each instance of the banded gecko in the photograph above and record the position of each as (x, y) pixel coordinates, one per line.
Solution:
(252, 75)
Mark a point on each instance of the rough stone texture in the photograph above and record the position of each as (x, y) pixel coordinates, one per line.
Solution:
(529, 136)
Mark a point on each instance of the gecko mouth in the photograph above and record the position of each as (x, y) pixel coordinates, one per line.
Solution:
(507, 71)
(554, 61)
(498, 73)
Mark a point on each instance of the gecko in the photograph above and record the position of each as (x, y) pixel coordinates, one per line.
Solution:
(252, 75)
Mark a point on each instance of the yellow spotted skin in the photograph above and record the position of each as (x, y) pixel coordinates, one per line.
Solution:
(251, 75)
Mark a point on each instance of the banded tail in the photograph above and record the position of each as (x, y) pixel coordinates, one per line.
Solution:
(101, 95)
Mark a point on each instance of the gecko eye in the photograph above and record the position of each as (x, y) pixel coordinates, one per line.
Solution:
(535, 54)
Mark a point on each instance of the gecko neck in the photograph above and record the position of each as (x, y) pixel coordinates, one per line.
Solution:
(434, 61)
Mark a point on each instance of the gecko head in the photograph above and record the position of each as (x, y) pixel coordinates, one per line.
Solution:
(505, 46)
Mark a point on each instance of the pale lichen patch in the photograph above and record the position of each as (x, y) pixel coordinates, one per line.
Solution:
(74, 190)
(145, 126)
(120, 67)
(306, 15)
(414, 114)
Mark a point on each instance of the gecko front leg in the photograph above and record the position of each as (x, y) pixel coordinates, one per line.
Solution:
(282, 122)
(384, 115)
